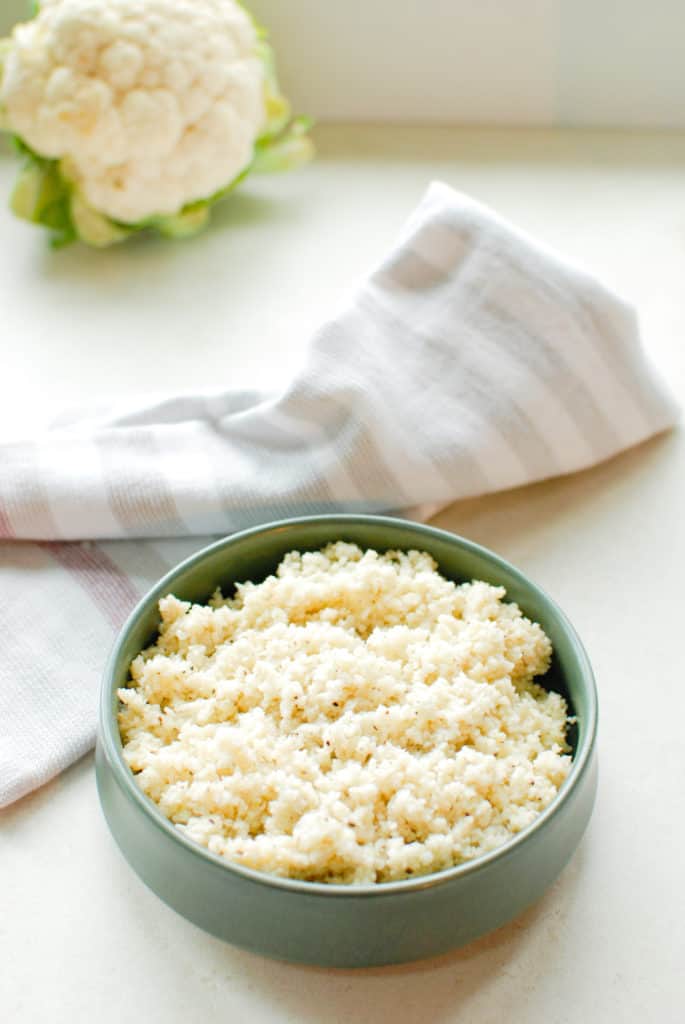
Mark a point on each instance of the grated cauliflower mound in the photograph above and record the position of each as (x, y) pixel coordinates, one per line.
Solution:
(354, 718)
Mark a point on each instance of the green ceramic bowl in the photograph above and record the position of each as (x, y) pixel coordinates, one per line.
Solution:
(338, 925)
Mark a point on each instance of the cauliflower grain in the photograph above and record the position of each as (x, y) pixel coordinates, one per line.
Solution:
(354, 718)
(155, 103)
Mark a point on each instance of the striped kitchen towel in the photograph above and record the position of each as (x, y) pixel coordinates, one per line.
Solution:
(472, 359)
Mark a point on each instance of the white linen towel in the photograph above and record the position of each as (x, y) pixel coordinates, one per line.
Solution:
(472, 359)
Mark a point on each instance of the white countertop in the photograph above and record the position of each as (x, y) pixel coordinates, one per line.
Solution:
(81, 939)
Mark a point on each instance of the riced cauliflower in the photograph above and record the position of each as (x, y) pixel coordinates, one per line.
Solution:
(354, 718)
(139, 113)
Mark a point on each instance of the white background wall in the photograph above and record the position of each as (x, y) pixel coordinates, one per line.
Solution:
(609, 62)
(590, 62)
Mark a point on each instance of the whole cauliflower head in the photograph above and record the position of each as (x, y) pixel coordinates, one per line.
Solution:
(147, 106)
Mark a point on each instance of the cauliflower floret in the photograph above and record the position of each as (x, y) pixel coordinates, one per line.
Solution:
(150, 104)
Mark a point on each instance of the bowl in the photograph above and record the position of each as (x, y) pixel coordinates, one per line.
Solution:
(340, 925)
(12, 11)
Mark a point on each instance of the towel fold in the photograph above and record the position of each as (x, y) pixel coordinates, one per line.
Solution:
(471, 360)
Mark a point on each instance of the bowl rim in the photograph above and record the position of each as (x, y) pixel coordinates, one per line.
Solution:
(110, 739)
